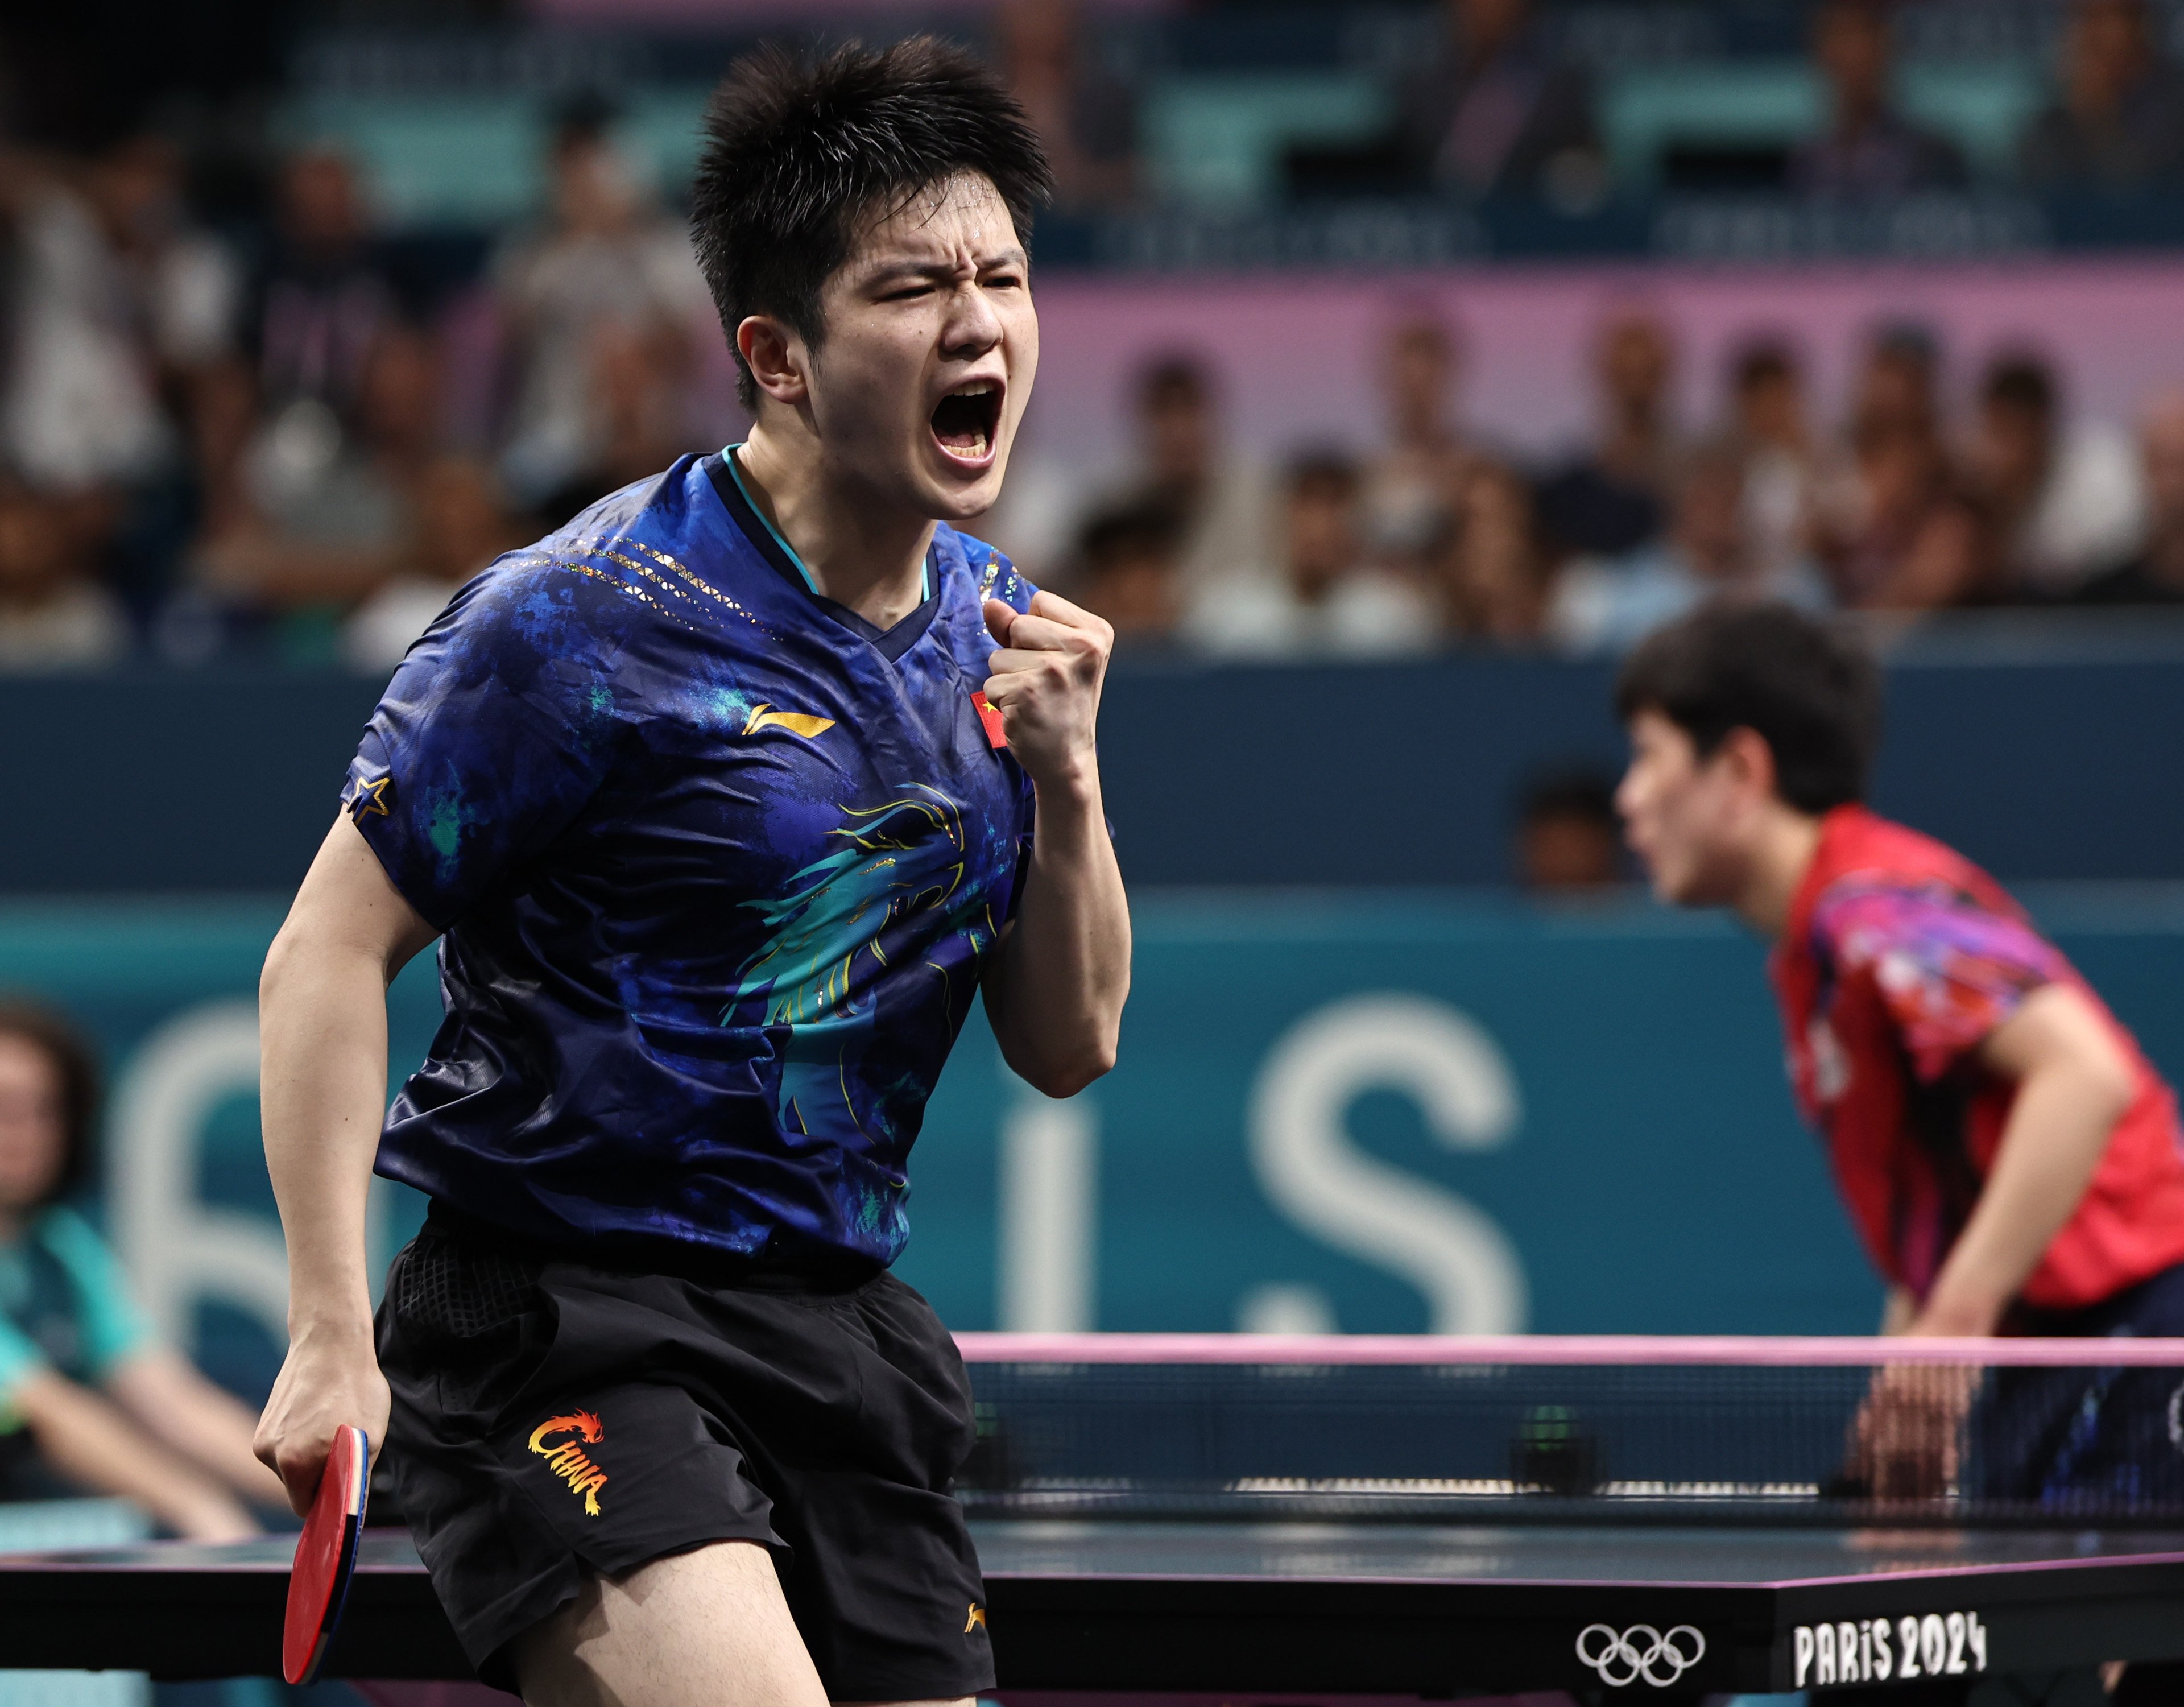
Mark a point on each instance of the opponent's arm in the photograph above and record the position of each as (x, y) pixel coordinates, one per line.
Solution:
(2073, 1083)
(1055, 986)
(322, 1003)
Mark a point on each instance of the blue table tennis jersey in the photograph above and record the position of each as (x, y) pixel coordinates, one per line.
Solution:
(718, 863)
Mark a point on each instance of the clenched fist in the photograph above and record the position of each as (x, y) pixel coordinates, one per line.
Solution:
(1046, 684)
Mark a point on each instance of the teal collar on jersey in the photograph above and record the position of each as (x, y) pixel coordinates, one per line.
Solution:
(735, 473)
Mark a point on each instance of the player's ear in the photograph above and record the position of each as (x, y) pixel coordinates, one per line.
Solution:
(1747, 751)
(775, 356)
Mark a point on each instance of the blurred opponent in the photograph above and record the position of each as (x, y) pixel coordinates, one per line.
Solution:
(722, 801)
(2010, 1158)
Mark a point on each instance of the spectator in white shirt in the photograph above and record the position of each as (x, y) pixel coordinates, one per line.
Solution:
(1328, 601)
(2070, 501)
(1414, 487)
(1610, 605)
(1781, 461)
(1220, 497)
(606, 261)
(54, 613)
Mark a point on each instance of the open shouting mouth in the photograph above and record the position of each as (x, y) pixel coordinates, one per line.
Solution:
(967, 421)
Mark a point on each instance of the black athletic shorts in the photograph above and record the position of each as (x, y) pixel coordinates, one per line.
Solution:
(555, 1418)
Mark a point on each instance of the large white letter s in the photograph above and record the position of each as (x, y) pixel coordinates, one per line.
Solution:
(1448, 1248)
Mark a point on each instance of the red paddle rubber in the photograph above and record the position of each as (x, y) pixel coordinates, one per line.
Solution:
(326, 1557)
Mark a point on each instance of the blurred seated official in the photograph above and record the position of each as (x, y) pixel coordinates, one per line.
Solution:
(1868, 148)
(1498, 110)
(1568, 842)
(88, 1401)
(2008, 1157)
(2117, 121)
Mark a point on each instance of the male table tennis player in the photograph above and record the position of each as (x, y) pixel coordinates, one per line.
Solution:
(2010, 1160)
(719, 842)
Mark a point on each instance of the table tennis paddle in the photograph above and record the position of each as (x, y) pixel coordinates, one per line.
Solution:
(326, 1557)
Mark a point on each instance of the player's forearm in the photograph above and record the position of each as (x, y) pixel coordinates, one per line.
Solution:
(1057, 1002)
(323, 1093)
(93, 1445)
(2058, 1129)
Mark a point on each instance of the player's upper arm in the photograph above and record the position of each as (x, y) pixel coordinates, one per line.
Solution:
(2060, 1027)
(348, 905)
(1948, 971)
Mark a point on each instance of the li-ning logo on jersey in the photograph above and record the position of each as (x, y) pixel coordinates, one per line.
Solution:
(568, 1460)
(1621, 1656)
(764, 716)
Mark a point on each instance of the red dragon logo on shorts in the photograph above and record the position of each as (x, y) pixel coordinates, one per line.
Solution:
(569, 1460)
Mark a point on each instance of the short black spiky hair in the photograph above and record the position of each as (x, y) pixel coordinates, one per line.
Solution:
(1805, 686)
(800, 153)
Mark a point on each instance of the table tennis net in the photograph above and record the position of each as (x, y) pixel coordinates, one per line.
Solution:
(1500, 1442)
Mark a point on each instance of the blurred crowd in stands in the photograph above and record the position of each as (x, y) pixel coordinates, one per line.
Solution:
(278, 449)
(1498, 104)
(267, 440)
(1437, 536)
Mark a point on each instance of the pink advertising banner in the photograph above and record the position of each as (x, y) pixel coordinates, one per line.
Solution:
(1296, 354)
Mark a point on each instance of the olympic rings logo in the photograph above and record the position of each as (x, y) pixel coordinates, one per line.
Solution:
(1641, 1651)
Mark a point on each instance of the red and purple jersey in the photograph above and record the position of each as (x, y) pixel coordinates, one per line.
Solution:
(1899, 959)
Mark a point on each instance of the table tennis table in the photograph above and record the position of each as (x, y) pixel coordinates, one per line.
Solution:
(1639, 1585)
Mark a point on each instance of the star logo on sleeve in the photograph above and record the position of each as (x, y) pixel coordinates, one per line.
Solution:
(369, 799)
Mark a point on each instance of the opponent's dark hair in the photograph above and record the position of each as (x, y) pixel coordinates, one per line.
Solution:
(1805, 687)
(800, 155)
(76, 1066)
